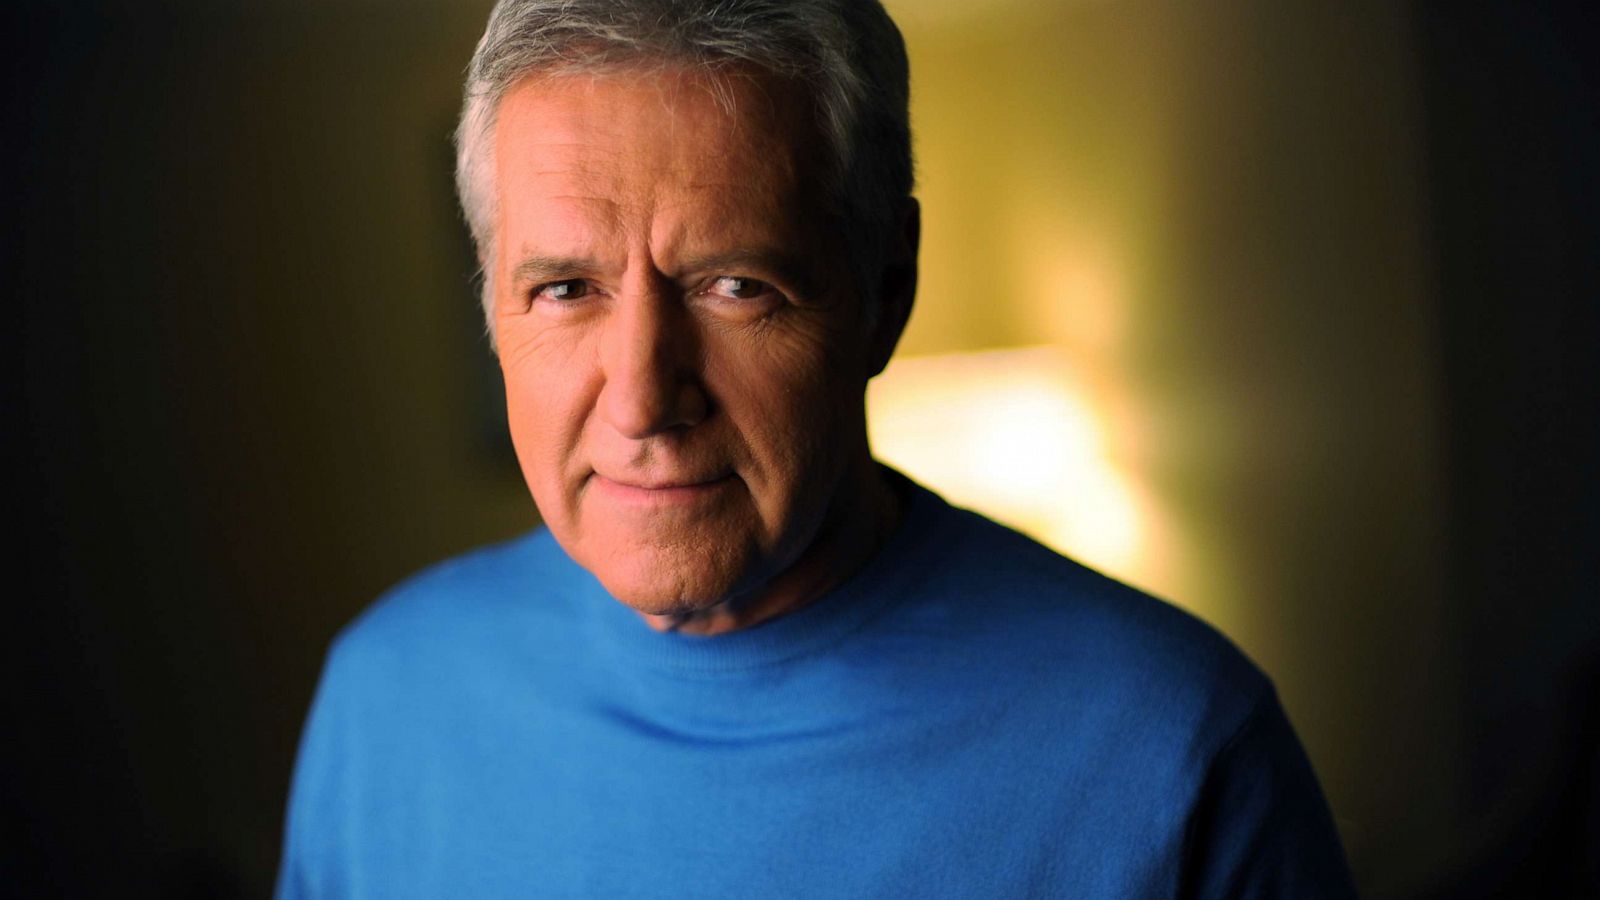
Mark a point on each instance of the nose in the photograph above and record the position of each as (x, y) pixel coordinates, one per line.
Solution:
(649, 356)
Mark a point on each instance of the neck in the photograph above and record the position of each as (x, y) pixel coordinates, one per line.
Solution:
(864, 513)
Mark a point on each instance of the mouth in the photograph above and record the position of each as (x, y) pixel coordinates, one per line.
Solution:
(642, 491)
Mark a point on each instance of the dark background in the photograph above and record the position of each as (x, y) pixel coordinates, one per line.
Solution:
(254, 392)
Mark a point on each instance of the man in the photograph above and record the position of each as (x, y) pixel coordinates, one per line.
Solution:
(744, 660)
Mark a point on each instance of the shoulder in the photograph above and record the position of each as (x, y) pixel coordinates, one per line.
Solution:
(1082, 639)
(459, 606)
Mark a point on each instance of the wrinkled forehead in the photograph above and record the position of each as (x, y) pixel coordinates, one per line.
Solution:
(733, 151)
(666, 120)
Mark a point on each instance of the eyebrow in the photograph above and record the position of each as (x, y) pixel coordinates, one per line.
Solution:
(780, 264)
(551, 268)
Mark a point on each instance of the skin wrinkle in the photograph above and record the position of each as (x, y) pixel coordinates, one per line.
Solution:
(715, 83)
(644, 190)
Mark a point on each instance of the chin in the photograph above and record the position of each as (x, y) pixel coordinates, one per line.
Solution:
(669, 581)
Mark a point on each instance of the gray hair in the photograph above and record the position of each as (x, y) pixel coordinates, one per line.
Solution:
(847, 54)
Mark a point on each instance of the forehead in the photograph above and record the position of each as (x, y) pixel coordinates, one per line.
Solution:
(648, 149)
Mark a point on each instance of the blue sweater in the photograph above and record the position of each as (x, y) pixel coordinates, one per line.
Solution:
(971, 715)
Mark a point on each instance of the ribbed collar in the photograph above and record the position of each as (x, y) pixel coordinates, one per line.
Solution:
(620, 632)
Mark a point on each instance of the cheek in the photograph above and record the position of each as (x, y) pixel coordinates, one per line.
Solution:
(548, 393)
(793, 396)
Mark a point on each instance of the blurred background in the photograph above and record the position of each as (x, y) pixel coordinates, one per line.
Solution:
(1284, 311)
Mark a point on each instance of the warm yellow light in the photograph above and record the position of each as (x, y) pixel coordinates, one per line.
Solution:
(1010, 433)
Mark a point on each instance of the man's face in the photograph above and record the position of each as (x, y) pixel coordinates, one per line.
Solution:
(684, 353)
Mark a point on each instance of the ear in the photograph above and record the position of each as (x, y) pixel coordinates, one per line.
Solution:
(897, 285)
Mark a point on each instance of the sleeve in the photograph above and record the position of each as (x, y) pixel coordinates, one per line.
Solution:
(1261, 827)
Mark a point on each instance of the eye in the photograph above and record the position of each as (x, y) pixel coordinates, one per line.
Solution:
(561, 291)
(735, 287)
